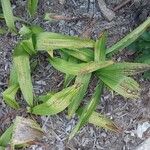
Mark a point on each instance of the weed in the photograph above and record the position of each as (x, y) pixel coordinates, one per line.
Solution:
(80, 59)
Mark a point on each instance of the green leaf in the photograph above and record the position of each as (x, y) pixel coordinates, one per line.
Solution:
(2, 31)
(6, 136)
(27, 45)
(13, 76)
(126, 68)
(147, 75)
(9, 96)
(50, 41)
(22, 66)
(57, 103)
(88, 110)
(82, 68)
(93, 66)
(121, 84)
(130, 38)
(32, 6)
(2, 148)
(8, 14)
(83, 54)
(82, 80)
(100, 48)
(46, 97)
(68, 77)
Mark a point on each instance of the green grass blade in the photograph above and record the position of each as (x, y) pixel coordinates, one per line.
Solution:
(9, 96)
(82, 80)
(50, 41)
(88, 110)
(83, 54)
(126, 68)
(121, 84)
(100, 48)
(57, 103)
(32, 6)
(8, 14)
(130, 38)
(6, 137)
(22, 66)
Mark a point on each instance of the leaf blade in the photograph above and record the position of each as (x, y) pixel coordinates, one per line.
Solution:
(88, 110)
(22, 66)
(8, 14)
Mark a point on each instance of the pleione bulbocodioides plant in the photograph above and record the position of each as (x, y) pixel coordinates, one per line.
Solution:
(79, 59)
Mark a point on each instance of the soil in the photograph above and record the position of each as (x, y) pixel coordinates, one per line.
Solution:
(126, 113)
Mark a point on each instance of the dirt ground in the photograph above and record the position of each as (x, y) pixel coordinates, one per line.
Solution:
(129, 115)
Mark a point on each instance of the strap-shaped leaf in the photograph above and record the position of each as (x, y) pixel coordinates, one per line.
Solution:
(88, 110)
(8, 14)
(57, 103)
(27, 45)
(82, 80)
(93, 66)
(82, 68)
(49, 41)
(68, 77)
(121, 84)
(46, 97)
(100, 120)
(83, 54)
(32, 6)
(6, 137)
(126, 68)
(13, 76)
(9, 96)
(130, 38)
(100, 48)
(22, 67)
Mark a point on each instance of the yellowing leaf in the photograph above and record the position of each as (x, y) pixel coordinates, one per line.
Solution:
(22, 67)
(57, 103)
(101, 121)
(50, 41)
(121, 84)
(126, 68)
(93, 66)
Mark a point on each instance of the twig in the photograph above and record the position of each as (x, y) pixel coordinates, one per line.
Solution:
(121, 5)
